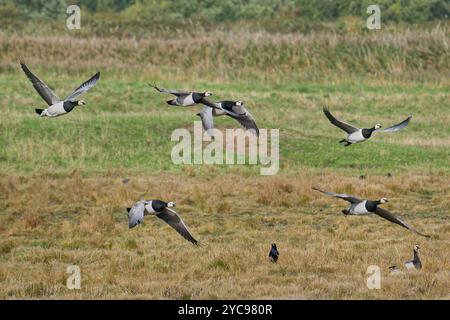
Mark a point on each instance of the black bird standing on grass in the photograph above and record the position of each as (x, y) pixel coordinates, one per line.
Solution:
(273, 254)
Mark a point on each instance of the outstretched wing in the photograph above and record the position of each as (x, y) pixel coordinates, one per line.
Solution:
(217, 106)
(396, 127)
(174, 220)
(210, 104)
(342, 125)
(136, 214)
(207, 119)
(245, 119)
(84, 87)
(346, 197)
(44, 91)
(392, 218)
(170, 91)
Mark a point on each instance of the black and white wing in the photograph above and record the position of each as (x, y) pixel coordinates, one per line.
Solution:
(44, 91)
(392, 218)
(396, 127)
(84, 87)
(170, 91)
(207, 119)
(136, 214)
(217, 106)
(210, 104)
(173, 219)
(340, 124)
(346, 197)
(245, 119)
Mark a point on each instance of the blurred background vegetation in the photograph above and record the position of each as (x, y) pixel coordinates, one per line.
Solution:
(270, 15)
(232, 10)
(250, 39)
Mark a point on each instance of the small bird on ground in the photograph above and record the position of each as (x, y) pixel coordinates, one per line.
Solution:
(273, 254)
(183, 98)
(395, 270)
(233, 109)
(360, 207)
(162, 210)
(56, 106)
(355, 135)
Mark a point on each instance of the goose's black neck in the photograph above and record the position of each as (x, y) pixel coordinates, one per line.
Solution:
(69, 105)
(371, 206)
(197, 97)
(368, 132)
(228, 105)
(158, 205)
(416, 255)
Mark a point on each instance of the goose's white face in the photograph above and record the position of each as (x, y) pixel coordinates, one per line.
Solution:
(171, 204)
(416, 247)
(384, 200)
(239, 103)
(81, 102)
(377, 126)
(208, 94)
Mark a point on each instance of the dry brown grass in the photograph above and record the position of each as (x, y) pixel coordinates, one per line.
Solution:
(49, 223)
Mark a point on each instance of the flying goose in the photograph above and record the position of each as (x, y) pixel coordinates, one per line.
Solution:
(233, 109)
(163, 211)
(183, 98)
(355, 135)
(56, 106)
(273, 254)
(366, 207)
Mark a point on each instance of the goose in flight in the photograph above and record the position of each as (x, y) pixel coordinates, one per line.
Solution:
(355, 135)
(56, 107)
(183, 98)
(233, 109)
(162, 210)
(366, 207)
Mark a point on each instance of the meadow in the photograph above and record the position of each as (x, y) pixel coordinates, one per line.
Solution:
(63, 200)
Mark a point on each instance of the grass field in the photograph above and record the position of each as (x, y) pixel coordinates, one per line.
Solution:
(62, 200)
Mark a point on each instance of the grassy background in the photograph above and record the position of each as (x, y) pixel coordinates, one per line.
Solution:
(62, 198)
